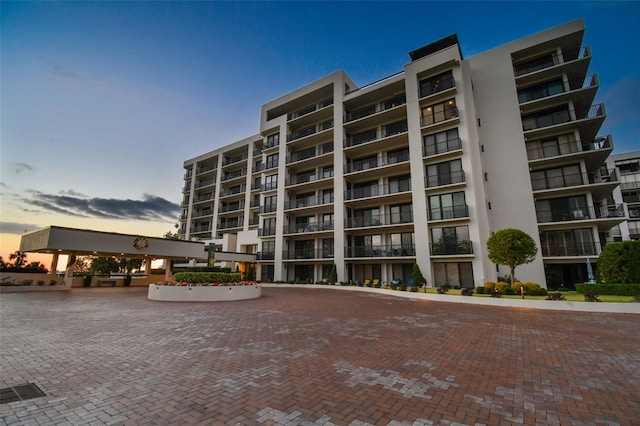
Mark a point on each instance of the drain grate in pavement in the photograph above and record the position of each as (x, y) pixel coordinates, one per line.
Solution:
(20, 393)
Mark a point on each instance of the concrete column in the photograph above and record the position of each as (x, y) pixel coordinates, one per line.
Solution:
(54, 264)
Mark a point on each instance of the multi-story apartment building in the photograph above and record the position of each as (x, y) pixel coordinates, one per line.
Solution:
(627, 166)
(421, 166)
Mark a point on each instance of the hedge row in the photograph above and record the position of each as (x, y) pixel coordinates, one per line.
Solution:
(610, 289)
(207, 277)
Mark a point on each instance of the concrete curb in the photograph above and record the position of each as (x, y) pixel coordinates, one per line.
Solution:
(555, 305)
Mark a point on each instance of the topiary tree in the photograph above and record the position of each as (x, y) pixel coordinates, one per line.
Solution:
(416, 274)
(333, 275)
(511, 247)
(619, 263)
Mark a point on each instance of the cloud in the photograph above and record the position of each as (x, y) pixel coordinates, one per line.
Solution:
(622, 101)
(17, 228)
(72, 203)
(19, 168)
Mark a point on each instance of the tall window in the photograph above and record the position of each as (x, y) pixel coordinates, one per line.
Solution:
(446, 173)
(536, 64)
(546, 118)
(268, 249)
(367, 217)
(447, 206)
(399, 184)
(272, 161)
(327, 172)
(549, 88)
(327, 196)
(269, 204)
(402, 244)
(556, 178)
(453, 273)
(440, 142)
(436, 84)
(571, 242)
(439, 112)
(269, 226)
(270, 182)
(273, 140)
(327, 247)
(450, 240)
(398, 156)
(401, 213)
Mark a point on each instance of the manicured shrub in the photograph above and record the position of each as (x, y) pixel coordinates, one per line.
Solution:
(489, 285)
(619, 263)
(538, 292)
(555, 296)
(40, 282)
(610, 289)
(207, 277)
(500, 286)
(509, 291)
(480, 290)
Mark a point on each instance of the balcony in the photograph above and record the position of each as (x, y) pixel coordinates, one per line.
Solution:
(203, 198)
(268, 209)
(306, 202)
(594, 153)
(228, 192)
(580, 92)
(309, 109)
(269, 255)
(442, 147)
(321, 253)
(378, 220)
(570, 249)
(373, 163)
(582, 213)
(266, 232)
(233, 160)
(231, 207)
(573, 62)
(307, 178)
(234, 175)
(308, 227)
(206, 168)
(377, 190)
(271, 186)
(402, 250)
(309, 130)
(230, 224)
(205, 182)
(599, 184)
(453, 178)
(448, 114)
(310, 153)
(451, 248)
(198, 229)
(560, 120)
(202, 213)
(371, 135)
(448, 213)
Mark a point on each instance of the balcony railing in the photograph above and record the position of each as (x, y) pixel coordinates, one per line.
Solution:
(309, 109)
(378, 220)
(375, 108)
(445, 179)
(377, 190)
(440, 147)
(233, 191)
(201, 229)
(231, 224)
(375, 134)
(268, 209)
(269, 186)
(372, 163)
(203, 198)
(310, 130)
(269, 255)
(205, 182)
(265, 232)
(306, 202)
(568, 148)
(529, 94)
(446, 213)
(203, 213)
(231, 207)
(233, 160)
(451, 248)
(554, 118)
(449, 113)
(583, 213)
(296, 180)
(309, 153)
(381, 251)
(574, 179)
(308, 227)
(320, 253)
(234, 175)
(554, 60)
(207, 168)
(570, 249)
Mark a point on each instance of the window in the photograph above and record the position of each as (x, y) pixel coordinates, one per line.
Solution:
(438, 143)
(399, 184)
(367, 245)
(402, 244)
(304, 249)
(304, 200)
(395, 128)
(559, 209)
(556, 178)
(327, 196)
(268, 249)
(367, 217)
(363, 137)
(270, 182)
(269, 226)
(546, 118)
(269, 204)
(453, 273)
(559, 145)
(450, 240)
(327, 247)
(543, 90)
(448, 206)
(273, 140)
(272, 161)
(365, 189)
(436, 84)
(398, 156)
(401, 213)
(439, 112)
(445, 173)
(364, 163)
(327, 221)
(327, 172)
(536, 64)
(572, 242)
(304, 177)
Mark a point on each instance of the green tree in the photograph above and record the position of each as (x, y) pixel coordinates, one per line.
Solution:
(333, 275)
(416, 275)
(171, 235)
(511, 247)
(619, 263)
(104, 265)
(19, 258)
(127, 265)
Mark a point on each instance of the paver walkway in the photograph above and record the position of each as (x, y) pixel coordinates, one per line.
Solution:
(313, 357)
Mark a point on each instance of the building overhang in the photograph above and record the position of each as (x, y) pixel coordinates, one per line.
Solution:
(60, 240)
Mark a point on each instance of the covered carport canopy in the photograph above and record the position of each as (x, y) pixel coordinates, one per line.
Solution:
(57, 240)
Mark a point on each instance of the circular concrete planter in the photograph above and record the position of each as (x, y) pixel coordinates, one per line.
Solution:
(164, 293)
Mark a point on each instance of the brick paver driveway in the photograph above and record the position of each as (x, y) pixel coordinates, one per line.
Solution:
(313, 357)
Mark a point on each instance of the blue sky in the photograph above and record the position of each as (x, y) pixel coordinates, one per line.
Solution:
(101, 102)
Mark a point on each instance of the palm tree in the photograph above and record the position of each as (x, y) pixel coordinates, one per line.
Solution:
(19, 258)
